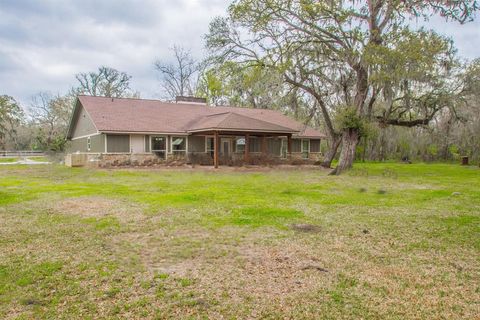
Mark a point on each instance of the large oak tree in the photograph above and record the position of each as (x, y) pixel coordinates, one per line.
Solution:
(360, 60)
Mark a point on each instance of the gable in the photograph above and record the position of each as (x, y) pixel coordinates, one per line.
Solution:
(81, 125)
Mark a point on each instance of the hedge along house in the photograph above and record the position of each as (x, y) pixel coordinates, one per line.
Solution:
(189, 130)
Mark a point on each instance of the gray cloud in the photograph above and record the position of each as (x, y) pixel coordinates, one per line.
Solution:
(43, 44)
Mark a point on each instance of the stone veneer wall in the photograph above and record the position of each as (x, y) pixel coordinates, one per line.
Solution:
(108, 160)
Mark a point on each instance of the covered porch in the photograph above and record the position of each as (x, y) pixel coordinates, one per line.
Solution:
(224, 128)
(230, 147)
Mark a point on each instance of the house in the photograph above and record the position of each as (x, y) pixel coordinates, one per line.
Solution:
(151, 130)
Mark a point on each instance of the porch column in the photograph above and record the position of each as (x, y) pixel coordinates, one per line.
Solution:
(215, 149)
(289, 144)
(247, 148)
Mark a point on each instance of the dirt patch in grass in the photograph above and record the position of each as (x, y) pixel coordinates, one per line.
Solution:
(99, 207)
(305, 227)
(281, 269)
(232, 270)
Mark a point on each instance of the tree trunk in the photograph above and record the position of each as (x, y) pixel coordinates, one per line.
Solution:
(331, 152)
(350, 139)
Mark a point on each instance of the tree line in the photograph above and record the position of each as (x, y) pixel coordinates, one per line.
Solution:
(44, 123)
(357, 70)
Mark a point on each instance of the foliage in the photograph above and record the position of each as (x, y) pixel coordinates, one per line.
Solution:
(232, 83)
(51, 117)
(348, 119)
(357, 54)
(11, 116)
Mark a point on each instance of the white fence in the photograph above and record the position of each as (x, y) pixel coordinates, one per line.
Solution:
(22, 153)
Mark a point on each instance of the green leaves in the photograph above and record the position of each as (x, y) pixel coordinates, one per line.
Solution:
(409, 54)
(11, 114)
(348, 118)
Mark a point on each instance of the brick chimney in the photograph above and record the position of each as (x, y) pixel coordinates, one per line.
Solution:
(191, 100)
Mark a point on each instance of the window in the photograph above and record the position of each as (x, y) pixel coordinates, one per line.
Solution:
(240, 144)
(159, 146)
(283, 148)
(210, 145)
(118, 143)
(315, 145)
(147, 143)
(89, 144)
(179, 145)
(296, 145)
(255, 144)
(305, 148)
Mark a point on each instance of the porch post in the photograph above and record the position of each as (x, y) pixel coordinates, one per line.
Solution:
(247, 148)
(289, 144)
(215, 149)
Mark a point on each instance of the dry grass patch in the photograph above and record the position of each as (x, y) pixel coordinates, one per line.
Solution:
(99, 207)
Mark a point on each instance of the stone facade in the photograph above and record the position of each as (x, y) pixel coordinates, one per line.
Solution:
(109, 160)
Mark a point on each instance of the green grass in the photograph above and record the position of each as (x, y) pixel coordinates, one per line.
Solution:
(39, 159)
(389, 241)
(8, 160)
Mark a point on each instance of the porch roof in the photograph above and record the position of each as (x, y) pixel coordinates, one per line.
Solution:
(231, 121)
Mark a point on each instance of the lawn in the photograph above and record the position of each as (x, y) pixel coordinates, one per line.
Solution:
(33, 158)
(385, 241)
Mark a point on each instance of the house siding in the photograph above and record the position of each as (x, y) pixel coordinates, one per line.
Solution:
(97, 144)
(118, 143)
(83, 125)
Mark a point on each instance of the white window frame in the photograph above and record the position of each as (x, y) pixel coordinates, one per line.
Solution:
(89, 144)
(172, 138)
(166, 141)
(244, 144)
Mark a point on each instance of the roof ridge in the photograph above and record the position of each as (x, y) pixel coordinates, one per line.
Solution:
(216, 114)
(122, 98)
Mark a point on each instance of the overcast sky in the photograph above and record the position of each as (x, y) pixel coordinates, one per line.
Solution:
(44, 43)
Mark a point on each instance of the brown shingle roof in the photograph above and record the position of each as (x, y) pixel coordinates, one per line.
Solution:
(231, 121)
(141, 115)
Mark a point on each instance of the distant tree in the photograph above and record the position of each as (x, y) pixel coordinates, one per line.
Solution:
(106, 82)
(50, 118)
(180, 77)
(232, 84)
(11, 116)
